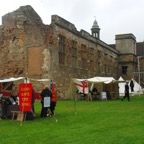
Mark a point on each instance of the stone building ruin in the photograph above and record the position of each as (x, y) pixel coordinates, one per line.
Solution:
(60, 52)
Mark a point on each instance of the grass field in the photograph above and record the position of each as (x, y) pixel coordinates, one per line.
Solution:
(97, 122)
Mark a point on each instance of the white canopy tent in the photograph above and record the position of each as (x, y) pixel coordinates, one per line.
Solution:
(105, 80)
(25, 80)
(11, 79)
(39, 80)
(103, 84)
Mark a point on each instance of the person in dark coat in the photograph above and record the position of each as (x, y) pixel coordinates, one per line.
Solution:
(45, 93)
(132, 85)
(126, 92)
(94, 90)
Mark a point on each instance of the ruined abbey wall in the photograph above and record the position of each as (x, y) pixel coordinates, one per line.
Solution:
(31, 49)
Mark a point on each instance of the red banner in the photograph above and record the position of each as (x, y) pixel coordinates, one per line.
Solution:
(25, 96)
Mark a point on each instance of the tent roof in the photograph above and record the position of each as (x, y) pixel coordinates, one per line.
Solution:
(40, 80)
(11, 79)
(121, 79)
(21, 78)
(105, 80)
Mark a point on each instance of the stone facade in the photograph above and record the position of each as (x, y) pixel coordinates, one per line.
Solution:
(58, 51)
(126, 45)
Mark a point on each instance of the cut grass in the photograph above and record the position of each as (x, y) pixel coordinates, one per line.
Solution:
(97, 122)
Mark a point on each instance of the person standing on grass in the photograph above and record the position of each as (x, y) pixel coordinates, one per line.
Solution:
(126, 92)
(45, 93)
(53, 99)
(132, 85)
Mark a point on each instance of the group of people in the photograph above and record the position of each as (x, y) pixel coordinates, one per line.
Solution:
(90, 96)
(48, 102)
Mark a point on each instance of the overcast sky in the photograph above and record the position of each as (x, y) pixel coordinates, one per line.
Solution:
(113, 16)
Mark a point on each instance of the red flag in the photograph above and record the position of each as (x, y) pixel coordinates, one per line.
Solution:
(82, 86)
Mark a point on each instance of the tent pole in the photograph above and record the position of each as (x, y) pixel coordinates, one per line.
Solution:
(75, 103)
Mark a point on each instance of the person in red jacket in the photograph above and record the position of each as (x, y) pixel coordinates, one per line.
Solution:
(53, 99)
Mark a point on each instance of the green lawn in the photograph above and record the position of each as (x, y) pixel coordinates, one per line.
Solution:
(97, 122)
